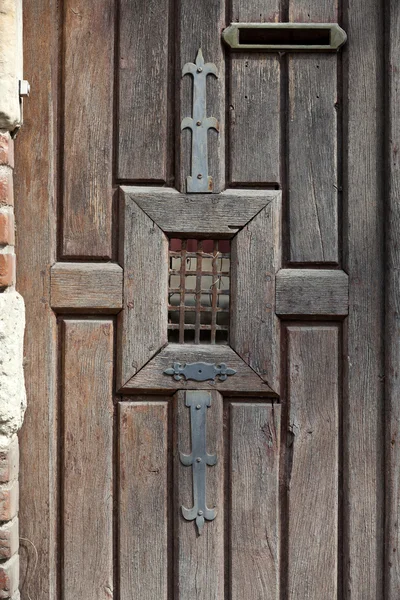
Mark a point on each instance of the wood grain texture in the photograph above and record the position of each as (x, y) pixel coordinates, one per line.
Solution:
(392, 347)
(35, 188)
(312, 292)
(199, 564)
(144, 69)
(86, 287)
(87, 460)
(312, 157)
(143, 253)
(143, 500)
(152, 377)
(201, 28)
(313, 389)
(364, 262)
(254, 103)
(255, 328)
(200, 214)
(88, 125)
(254, 520)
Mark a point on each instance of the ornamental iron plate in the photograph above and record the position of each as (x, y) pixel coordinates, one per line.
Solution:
(199, 371)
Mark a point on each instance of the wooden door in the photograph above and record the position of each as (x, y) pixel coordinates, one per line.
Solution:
(258, 300)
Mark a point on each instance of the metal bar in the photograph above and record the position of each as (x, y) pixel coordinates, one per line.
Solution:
(182, 294)
(198, 291)
(214, 296)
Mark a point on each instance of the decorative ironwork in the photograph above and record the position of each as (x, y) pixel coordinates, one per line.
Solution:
(199, 181)
(198, 459)
(199, 371)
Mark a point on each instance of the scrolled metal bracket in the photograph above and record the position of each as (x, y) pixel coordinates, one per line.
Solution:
(199, 371)
(199, 181)
(198, 459)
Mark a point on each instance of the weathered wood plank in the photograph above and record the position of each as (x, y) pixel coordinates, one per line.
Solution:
(86, 287)
(254, 329)
(200, 214)
(88, 124)
(143, 500)
(364, 261)
(35, 186)
(254, 103)
(143, 323)
(199, 559)
(313, 178)
(144, 69)
(392, 349)
(312, 292)
(87, 460)
(254, 519)
(313, 397)
(201, 28)
(152, 377)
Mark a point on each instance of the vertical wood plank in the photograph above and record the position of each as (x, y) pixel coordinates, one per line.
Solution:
(143, 322)
(255, 328)
(144, 68)
(201, 28)
(254, 103)
(254, 514)
(143, 500)
(312, 152)
(87, 457)
(364, 366)
(392, 350)
(199, 559)
(88, 125)
(35, 186)
(313, 354)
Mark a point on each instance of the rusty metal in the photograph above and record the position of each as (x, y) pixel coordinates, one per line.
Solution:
(198, 459)
(199, 181)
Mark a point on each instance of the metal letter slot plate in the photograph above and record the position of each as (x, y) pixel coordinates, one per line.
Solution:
(198, 459)
(199, 371)
(199, 181)
(289, 37)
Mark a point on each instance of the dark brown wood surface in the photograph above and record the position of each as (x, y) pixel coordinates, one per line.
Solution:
(144, 72)
(255, 515)
(313, 475)
(88, 70)
(392, 348)
(143, 500)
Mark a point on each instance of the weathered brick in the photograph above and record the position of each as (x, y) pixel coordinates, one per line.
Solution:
(7, 269)
(6, 150)
(9, 494)
(7, 228)
(9, 577)
(9, 539)
(6, 187)
(9, 462)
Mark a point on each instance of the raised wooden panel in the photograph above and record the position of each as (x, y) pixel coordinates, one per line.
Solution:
(312, 157)
(313, 462)
(254, 103)
(88, 125)
(200, 214)
(254, 329)
(143, 500)
(254, 486)
(87, 486)
(199, 560)
(364, 261)
(143, 253)
(86, 287)
(312, 292)
(200, 27)
(392, 349)
(152, 376)
(144, 70)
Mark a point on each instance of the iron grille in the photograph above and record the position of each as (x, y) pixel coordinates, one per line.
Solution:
(199, 287)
